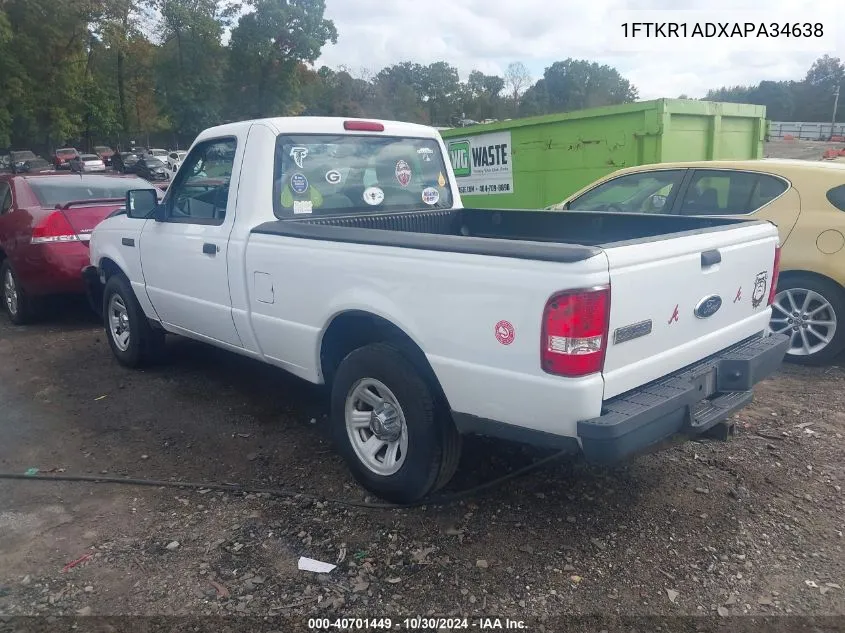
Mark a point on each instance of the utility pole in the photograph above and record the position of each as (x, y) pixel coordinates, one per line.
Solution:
(835, 105)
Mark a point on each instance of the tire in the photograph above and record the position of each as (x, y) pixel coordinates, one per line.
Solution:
(16, 302)
(122, 314)
(427, 456)
(818, 330)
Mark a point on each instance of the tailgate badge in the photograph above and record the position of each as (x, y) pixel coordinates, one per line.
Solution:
(760, 284)
(708, 306)
(629, 332)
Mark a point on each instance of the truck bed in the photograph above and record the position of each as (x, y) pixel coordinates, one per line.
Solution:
(564, 236)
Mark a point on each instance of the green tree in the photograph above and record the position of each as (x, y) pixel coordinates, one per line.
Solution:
(574, 84)
(265, 51)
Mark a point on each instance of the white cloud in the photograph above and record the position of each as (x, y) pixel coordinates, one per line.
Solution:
(485, 35)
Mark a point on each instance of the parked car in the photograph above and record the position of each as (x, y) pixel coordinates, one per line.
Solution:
(158, 153)
(62, 158)
(45, 224)
(23, 161)
(87, 162)
(151, 168)
(174, 159)
(125, 162)
(805, 199)
(105, 153)
(340, 250)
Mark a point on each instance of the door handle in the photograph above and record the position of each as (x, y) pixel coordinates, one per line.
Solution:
(710, 258)
(209, 249)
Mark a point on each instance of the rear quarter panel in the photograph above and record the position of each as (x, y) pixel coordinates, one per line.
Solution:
(448, 303)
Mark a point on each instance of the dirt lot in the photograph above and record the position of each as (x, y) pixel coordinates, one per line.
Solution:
(751, 526)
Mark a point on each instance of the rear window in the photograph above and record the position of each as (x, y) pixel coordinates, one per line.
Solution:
(836, 197)
(152, 161)
(65, 152)
(51, 191)
(22, 156)
(89, 157)
(328, 174)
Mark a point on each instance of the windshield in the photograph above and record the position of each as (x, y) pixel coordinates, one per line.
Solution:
(153, 162)
(102, 149)
(65, 152)
(345, 174)
(53, 190)
(18, 156)
(89, 157)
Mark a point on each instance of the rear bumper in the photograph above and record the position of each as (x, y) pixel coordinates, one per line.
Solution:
(51, 269)
(688, 402)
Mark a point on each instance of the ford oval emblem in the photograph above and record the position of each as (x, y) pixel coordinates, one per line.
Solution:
(708, 306)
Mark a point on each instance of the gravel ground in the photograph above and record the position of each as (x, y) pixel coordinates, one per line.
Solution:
(803, 150)
(753, 526)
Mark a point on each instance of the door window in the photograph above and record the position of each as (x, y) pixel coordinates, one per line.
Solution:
(643, 192)
(5, 197)
(200, 192)
(723, 192)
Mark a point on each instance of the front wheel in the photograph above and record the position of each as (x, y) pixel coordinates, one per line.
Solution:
(131, 337)
(387, 423)
(812, 312)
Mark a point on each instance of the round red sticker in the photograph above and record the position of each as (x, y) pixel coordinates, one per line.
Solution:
(505, 332)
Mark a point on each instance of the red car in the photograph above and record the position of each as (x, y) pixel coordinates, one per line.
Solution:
(45, 225)
(105, 153)
(62, 158)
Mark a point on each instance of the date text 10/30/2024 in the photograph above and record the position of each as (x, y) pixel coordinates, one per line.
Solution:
(415, 624)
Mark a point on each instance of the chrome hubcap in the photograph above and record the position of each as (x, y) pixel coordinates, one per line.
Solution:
(119, 322)
(807, 317)
(10, 292)
(376, 426)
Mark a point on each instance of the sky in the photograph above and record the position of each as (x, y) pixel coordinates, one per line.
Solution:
(487, 35)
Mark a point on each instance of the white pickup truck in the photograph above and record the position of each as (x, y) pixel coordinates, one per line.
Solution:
(340, 251)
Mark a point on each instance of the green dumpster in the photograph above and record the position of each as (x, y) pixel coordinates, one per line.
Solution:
(534, 162)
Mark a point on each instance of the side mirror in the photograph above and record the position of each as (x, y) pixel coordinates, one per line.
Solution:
(140, 203)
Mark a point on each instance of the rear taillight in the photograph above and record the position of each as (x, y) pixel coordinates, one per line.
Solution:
(775, 274)
(54, 228)
(574, 337)
(363, 126)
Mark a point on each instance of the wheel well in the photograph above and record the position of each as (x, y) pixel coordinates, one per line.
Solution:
(789, 274)
(355, 329)
(108, 268)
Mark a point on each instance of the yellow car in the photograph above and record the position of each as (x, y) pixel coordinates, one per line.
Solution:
(805, 199)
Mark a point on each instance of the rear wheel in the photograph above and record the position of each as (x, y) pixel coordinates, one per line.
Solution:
(132, 339)
(15, 300)
(812, 312)
(386, 423)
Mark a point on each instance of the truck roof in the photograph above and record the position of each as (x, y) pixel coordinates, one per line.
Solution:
(319, 125)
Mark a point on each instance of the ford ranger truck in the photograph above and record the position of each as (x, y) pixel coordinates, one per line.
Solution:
(340, 251)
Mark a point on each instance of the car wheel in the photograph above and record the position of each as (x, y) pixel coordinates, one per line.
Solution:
(812, 312)
(399, 443)
(15, 300)
(132, 339)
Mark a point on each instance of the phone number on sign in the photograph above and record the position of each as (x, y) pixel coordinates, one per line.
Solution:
(413, 624)
(722, 29)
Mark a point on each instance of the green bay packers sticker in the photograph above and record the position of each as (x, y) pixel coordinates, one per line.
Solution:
(430, 195)
(373, 196)
(333, 177)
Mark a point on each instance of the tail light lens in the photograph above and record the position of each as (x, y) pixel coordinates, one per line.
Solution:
(574, 337)
(363, 126)
(54, 228)
(775, 274)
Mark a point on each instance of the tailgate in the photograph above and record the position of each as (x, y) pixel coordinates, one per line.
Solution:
(681, 299)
